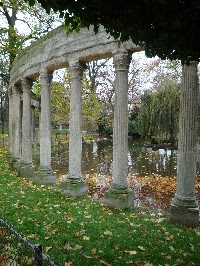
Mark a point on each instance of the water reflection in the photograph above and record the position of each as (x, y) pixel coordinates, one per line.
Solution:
(97, 158)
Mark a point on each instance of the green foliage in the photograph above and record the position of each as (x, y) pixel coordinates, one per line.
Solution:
(92, 108)
(133, 128)
(171, 29)
(158, 117)
(60, 103)
(105, 126)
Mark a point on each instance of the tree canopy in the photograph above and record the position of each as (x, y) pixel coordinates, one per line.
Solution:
(166, 28)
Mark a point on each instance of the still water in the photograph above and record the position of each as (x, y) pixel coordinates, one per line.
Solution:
(97, 158)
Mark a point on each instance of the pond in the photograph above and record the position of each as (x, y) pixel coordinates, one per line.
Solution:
(97, 158)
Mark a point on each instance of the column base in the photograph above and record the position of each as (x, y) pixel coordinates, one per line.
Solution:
(15, 164)
(121, 198)
(185, 212)
(45, 177)
(26, 170)
(74, 187)
(9, 158)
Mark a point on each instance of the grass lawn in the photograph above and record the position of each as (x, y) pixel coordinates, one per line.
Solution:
(84, 232)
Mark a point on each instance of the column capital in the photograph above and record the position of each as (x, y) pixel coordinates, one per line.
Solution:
(121, 60)
(76, 69)
(10, 93)
(46, 77)
(16, 90)
(26, 84)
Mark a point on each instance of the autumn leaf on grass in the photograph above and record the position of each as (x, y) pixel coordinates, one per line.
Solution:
(94, 251)
(106, 233)
(78, 247)
(105, 262)
(47, 249)
(69, 263)
(67, 246)
(141, 248)
(131, 252)
(88, 257)
(86, 238)
(82, 232)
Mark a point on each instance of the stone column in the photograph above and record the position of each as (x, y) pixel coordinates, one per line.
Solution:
(75, 185)
(26, 169)
(33, 126)
(16, 126)
(10, 98)
(184, 206)
(119, 195)
(10, 120)
(46, 175)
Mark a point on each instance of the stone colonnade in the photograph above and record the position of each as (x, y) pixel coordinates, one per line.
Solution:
(184, 207)
(119, 195)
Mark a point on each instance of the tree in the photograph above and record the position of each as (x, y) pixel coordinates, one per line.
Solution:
(158, 116)
(34, 22)
(168, 29)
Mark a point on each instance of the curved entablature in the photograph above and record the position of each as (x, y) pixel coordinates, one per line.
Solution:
(58, 48)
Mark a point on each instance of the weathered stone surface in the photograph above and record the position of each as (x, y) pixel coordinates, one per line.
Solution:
(184, 207)
(119, 195)
(45, 121)
(74, 188)
(56, 49)
(26, 123)
(184, 215)
(27, 171)
(45, 177)
(75, 122)
(119, 198)
(16, 124)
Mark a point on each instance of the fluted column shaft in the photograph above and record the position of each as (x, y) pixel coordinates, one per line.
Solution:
(33, 125)
(10, 140)
(119, 195)
(75, 123)
(26, 123)
(187, 144)
(45, 123)
(75, 185)
(120, 132)
(16, 125)
(184, 206)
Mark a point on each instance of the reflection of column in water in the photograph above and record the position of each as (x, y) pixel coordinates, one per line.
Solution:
(95, 147)
(129, 159)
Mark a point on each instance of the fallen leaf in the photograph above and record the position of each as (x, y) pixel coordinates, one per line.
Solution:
(67, 246)
(107, 233)
(131, 252)
(88, 257)
(86, 238)
(141, 247)
(69, 263)
(105, 262)
(48, 248)
(94, 251)
(78, 247)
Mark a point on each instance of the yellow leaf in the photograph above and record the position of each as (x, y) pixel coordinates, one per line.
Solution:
(107, 233)
(48, 248)
(94, 251)
(69, 263)
(86, 238)
(105, 262)
(88, 257)
(131, 252)
(141, 247)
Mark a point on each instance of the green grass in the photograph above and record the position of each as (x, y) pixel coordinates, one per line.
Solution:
(84, 232)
